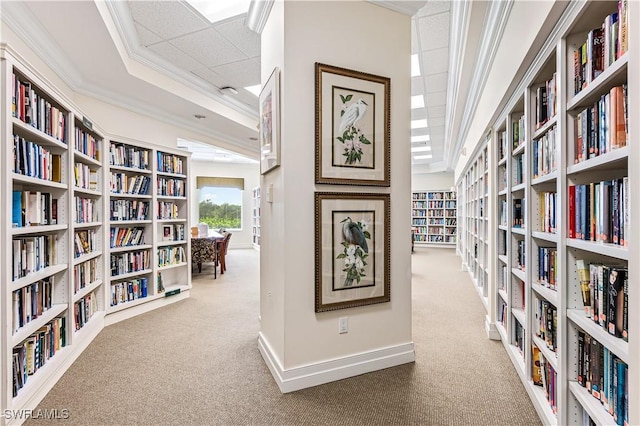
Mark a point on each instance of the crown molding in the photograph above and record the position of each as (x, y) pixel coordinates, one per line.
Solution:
(258, 15)
(409, 7)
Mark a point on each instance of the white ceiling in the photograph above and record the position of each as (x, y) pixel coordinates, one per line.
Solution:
(164, 59)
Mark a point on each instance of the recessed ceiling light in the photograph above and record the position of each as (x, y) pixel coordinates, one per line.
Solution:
(199, 116)
(419, 124)
(254, 89)
(218, 10)
(415, 65)
(422, 138)
(421, 149)
(422, 157)
(417, 101)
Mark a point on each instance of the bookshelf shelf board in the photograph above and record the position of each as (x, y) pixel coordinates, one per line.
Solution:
(449, 226)
(172, 266)
(615, 344)
(41, 183)
(170, 197)
(591, 405)
(519, 231)
(549, 177)
(503, 295)
(518, 150)
(178, 220)
(611, 250)
(613, 75)
(129, 222)
(37, 276)
(518, 314)
(545, 127)
(546, 293)
(545, 236)
(539, 399)
(503, 227)
(502, 331)
(31, 327)
(42, 229)
(549, 355)
(503, 192)
(41, 377)
(128, 275)
(503, 258)
(95, 322)
(182, 287)
(88, 256)
(613, 160)
(519, 273)
(126, 195)
(83, 191)
(84, 158)
(86, 225)
(130, 304)
(134, 170)
(502, 161)
(518, 187)
(41, 138)
(171, 243)
(174, 175)
(517, 359)
(130, 248)
(86, 290)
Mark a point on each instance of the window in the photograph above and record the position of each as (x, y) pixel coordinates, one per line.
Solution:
(220, 202)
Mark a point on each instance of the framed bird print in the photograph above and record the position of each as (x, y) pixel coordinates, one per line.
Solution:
(352, 250)
(269, 126)
(352, 127)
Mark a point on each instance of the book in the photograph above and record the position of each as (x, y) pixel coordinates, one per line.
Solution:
(616, 296)
(585, 284)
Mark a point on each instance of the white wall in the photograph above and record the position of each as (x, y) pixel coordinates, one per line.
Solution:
(298, 35)
(251, 175)
(432, 181)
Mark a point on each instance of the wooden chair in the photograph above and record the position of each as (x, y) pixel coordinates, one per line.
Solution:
(204, 250)
(222, 247)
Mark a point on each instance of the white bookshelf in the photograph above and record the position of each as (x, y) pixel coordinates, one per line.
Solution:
(434, 217)
(535, 300)
(255, 217)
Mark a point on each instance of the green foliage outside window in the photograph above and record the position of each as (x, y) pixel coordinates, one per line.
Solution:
(227, 216)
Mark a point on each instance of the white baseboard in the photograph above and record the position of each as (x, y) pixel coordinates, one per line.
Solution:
(136, 310)
(241, 246)
(491, 329)
(329, 371)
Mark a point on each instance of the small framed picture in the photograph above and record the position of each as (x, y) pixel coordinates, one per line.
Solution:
(352, 250)
(352, 127)
(167, 233)
(269, 127)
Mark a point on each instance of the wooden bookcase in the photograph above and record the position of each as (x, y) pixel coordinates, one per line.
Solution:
(434, 217)
(61, 204)
(255, 218)
(537, 166)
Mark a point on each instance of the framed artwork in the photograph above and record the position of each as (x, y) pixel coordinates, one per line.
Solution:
(352, 250)
(352, 127)
(269, 127)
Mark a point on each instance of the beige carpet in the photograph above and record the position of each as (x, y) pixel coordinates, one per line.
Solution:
(196, 362)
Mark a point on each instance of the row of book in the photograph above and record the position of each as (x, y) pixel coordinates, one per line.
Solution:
(85, 177)
(85, 242)
(169, 163)
(548, 267)
(167, 210)
(128, 156)
(34, 160)
(605, 376)
(32, 254)
(518, 132)
(502, 144)
(546, 100)
(86, 210)
(603, 126)
(546, 323)
(544, 375)
(605, 294)
(31, 301)
(125, 237)
(171, 256)
(121, 183)
(33, 208)
(34, 352)
(127, 291)
(125, 263)
(518, 169)
(87, 144)
(434, 196)
(175, 232)
(30, 106)
(544, 153)
(599, 211)
(603, 46)
(521, 260)
(450, 239)
(84, 309)
(517, 221)
(171, 187)
(434, 205)
(547, 211)
(503, 213)
(84, 274)
(128, 210)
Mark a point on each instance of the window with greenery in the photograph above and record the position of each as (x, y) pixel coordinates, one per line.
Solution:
(220, 202)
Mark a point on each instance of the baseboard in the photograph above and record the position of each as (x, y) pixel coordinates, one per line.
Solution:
(136, 310)
(491, 329)
(241, 246)
(329, 371)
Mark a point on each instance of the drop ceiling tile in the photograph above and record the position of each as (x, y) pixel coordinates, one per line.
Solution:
(211, 77)
(240, 36)
(436, 121)
(210, 47)
(167, 19)
(146, 36)
(435, 82)
(175, 56)
(433, 8)
(436, 98)
(242, 73)
(437, 132)
(417, 85)
(434, 31)
(435, 61)
(418, 113)
(437, 111)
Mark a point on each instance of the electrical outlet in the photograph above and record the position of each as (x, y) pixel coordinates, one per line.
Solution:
(343, 325)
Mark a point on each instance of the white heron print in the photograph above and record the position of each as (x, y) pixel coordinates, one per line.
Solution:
(351, 130)
(355, 250)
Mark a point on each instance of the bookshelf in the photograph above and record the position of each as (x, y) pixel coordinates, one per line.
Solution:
(434, 217)
(255, 218)
(560, 219)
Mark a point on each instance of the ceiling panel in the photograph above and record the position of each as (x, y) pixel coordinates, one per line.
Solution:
(146, 36)
(210, 47)
(168, 19)
(437, 111)
(436, 82)
(176, 56)
(434, 31)
(211, 77)
(437, 98)
(435, 61)
(434, 7)
(241, 36)
(242, 73)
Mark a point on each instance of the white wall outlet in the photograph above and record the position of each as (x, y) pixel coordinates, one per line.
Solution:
(343, 325)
